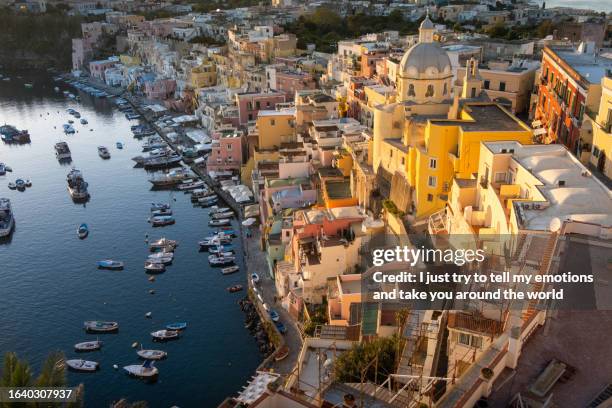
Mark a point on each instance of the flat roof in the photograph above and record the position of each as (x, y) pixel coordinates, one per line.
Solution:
(580, 198)
(486, 117)
(590, 66)
(337, 189)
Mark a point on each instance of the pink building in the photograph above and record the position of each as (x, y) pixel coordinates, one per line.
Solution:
(97, 68)
(249, 104)
(160, 89)
(226, 151)
(289, 82)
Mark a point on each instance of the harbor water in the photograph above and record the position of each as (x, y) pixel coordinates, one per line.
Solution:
(49, 283)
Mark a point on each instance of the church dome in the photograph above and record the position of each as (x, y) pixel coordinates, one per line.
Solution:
(425, 60)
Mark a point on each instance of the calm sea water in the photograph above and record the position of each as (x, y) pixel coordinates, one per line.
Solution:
(605, 6)
(49, 283)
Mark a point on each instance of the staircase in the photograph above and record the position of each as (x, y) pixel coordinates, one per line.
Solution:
(604, 398)
(547, 255)
(402, 400)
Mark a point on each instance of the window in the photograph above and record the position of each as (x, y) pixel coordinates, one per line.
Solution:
(268, 104)
(391, 153)
(445, 89)
(487, 84)
(473, 93)
(595, 151)
(272, 122)
(432, 181)
(500, 177)
(433, 163)
(411, 90)
(470, 340)
(229, 147)
(250, 116)
(430, 91)
(502, 86)
(403, 161)
(429, 197)
(257, 105)
(249, 105)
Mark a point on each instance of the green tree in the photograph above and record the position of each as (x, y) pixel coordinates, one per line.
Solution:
(499, 30)
(348, 367)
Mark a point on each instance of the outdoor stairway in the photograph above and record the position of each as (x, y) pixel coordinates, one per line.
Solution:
(411, 336)
(545, 263)
(402, 400)
(604, 396)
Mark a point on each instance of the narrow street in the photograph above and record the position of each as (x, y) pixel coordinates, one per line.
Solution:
(255, 261)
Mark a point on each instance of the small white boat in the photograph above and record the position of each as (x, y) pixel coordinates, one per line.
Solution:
(255, 278)
(219, 223)
(83, 121)
(165, 259)
(152, 354)
(12, 185)
(230, 269)
(154, 266)
(163, 243)
(165, 211)
(222, 215)
(82, 365)
(191, 185)
(215, 209)
(221, 260)
(145, 370)
(165, 334)
(160, 206)
(88, 346)
(83, 231)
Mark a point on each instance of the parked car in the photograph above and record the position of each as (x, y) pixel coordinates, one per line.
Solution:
(274, 315)
(281, 327)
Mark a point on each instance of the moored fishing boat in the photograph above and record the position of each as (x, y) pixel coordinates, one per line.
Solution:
(230, 269)
(217, 223)
(119, 145)
(165, 335)
(103, 152)
(222, 215)
(82, 231)
(164, 161)
(68, 129)
(99, 326)
(171, 178)
(159, 206)
(163, 211)
(161, 220)
(110, 264)
(221, 260)
(163, 243)
(88, 346)
(62, 151)
(77, 186)
(7, 220)
(235, 288)
(190, 185)
(154, 267)
(82, 365)
(214, 209)
(10, 134)
(146, 370)
(152, 354)
(176, 326)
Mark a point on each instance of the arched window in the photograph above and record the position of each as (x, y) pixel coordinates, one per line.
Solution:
(411, 90)
(445, 89)
(430, 91)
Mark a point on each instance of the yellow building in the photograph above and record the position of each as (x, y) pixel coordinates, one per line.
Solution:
(275, 127)
(601, 153)
(129, 60)
(204, 75)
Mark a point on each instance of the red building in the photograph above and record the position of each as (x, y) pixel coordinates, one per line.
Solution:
(569, 86)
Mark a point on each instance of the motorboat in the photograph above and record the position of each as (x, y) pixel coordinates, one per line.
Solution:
(110, 264)
(154, 267)
(83, 121)
(103, 152)
(82, 365)
(213, 242)
(163, 243)
(191, 185)
(62, 151)
(98, 326)
(152, 354)
(160, 206)
(68, 129)
(171, 178)
(199, 193)
(146, 370)
(88, 346)
(228, 231)
(28, 183)
(165, 335)
(77, 186)
(221, 260)
(162, 161)
(221, 255)
(161, 220)
(230, 269)
(10, 134)
(176, 326)
(164, 211)
(217, 223)
(222, 215)
(12, 185)
(165, 258)
(215, 209)
(119, 145)
(7, 220)
(208, 201)
(220, 248)
(70, 121)
(83, 231)
(20, 184)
